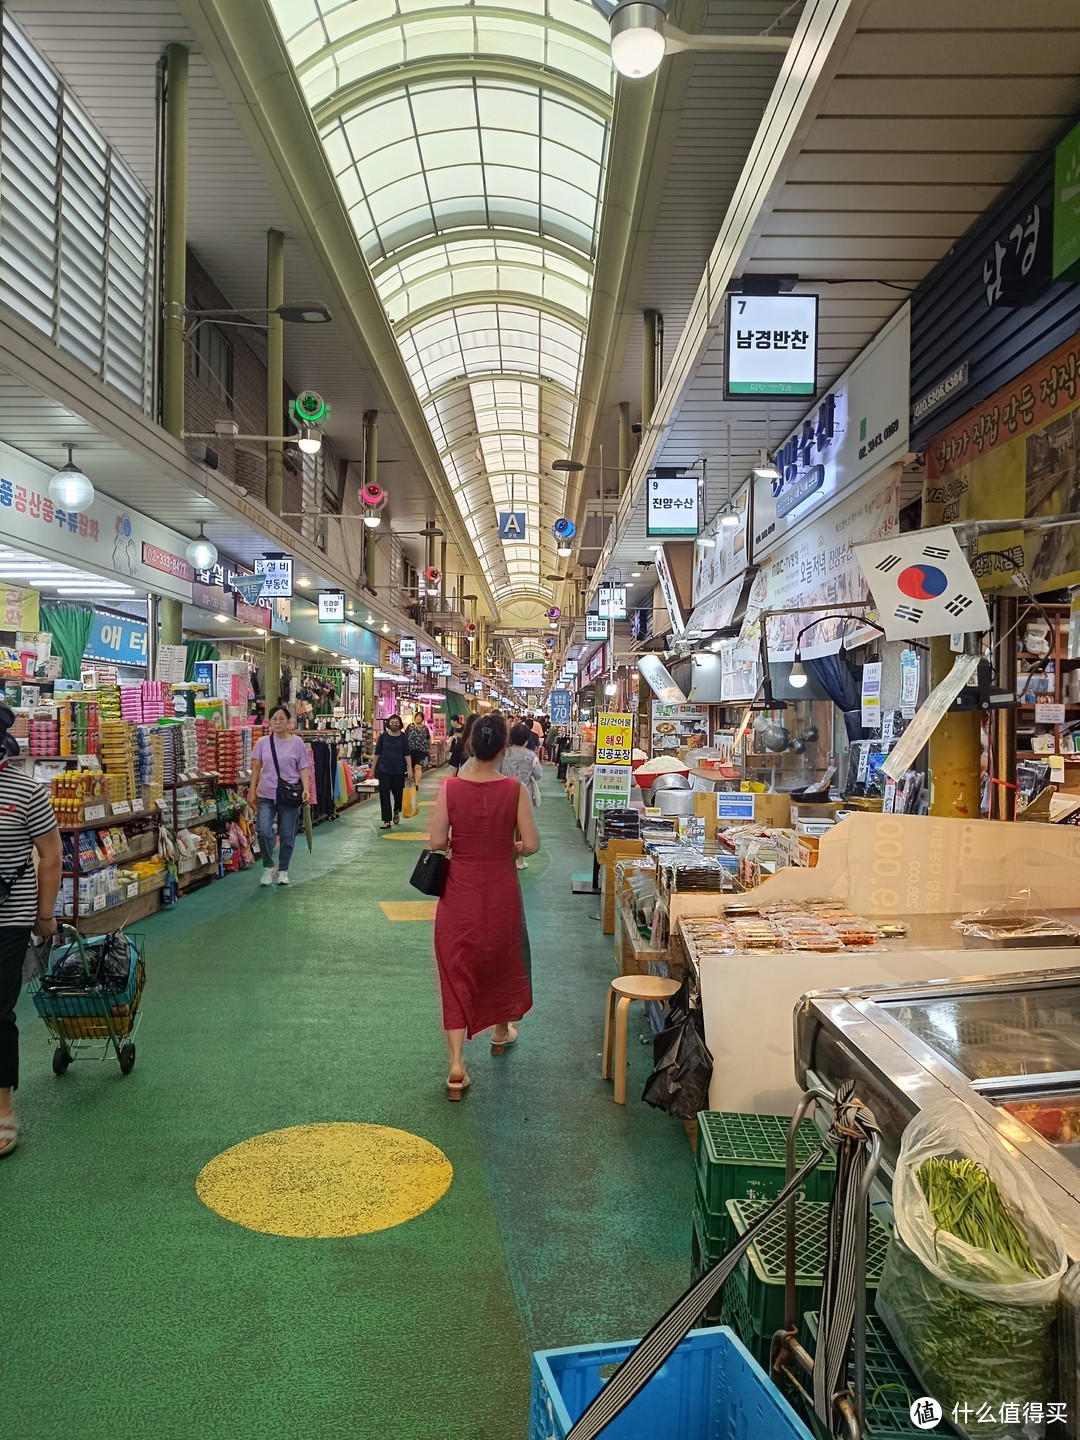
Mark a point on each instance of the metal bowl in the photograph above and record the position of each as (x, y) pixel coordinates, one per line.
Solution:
(670, 781)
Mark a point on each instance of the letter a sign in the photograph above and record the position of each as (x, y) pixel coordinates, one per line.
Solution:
(511, 524)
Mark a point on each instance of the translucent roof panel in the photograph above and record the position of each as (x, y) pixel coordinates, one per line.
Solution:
(468, 139)
(338, 44)
(442, 155)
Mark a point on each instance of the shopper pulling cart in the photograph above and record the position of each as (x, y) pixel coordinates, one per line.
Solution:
(88, 991)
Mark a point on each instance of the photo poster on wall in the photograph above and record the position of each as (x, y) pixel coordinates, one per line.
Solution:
(679, 727)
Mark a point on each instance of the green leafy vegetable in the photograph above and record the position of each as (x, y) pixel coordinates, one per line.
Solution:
(964, 1200)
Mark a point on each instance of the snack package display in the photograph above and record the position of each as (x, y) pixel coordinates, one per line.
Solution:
(970, 1286)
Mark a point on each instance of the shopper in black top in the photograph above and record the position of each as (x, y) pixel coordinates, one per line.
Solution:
(391, 768)
(27, 901)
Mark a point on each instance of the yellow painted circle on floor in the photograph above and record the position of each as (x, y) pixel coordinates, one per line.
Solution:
(321, 1182)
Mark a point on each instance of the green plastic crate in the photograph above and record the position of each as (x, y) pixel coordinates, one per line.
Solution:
(761, 1270)
(735, 1312)
(744, 1156)
(891, 1386)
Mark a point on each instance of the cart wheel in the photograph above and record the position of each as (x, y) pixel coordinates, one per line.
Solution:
(127, 1059)
(61, 1060)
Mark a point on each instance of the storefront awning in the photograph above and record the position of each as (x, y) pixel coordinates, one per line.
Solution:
(723, 609)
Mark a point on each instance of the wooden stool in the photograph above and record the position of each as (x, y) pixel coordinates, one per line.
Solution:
(624, 991)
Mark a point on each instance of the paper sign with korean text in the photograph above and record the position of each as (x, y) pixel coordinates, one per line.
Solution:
(614, 739)
(611, 787)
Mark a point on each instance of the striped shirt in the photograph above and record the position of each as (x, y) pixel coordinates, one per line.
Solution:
(26, 814)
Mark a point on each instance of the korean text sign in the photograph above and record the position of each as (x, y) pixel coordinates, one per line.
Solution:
(614, 739)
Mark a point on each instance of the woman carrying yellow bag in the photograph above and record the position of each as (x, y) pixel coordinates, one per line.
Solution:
(410, 803)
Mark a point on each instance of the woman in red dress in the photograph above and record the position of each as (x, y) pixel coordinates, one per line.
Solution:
(481, 943)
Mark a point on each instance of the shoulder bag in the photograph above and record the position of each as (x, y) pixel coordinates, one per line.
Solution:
(290, 793)
(429, 876)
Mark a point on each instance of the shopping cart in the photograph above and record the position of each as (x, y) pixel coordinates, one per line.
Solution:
(88, 991)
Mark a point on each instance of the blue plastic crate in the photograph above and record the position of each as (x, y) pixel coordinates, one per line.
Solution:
(710, 1389)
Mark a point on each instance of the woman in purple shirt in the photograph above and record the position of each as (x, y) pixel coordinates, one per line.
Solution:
(287, 759)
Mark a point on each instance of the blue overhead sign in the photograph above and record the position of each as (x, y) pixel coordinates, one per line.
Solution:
(560, 707)
(116, 641)
(511, 524)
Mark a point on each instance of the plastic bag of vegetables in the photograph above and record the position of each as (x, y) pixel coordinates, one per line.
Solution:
(970, 1286)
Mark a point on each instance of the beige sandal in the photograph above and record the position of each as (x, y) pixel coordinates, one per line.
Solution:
(455, 1089)
(499, 1047)
(9, 1134)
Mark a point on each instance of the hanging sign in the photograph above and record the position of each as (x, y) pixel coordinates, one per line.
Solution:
(771, 346)
(527, 675)
(909, 682)
(511, 524)
(596, 627)
(332, 607)
(560, 707)
(614, 738)
(672, 505)
(871, 695)
(277, 570)
(611, 602)
(427, 659)
(408, 647)
(248, 587)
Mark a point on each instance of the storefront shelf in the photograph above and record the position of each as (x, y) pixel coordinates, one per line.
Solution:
(709, 1386)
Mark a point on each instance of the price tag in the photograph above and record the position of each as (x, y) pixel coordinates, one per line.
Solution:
(203, 858)
(121, 807)
(89, 762)
(133, 890)
(93, 813)
(137, 807)
(99, 904)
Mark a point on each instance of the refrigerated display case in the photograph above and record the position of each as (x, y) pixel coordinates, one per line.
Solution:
(1008, 1046)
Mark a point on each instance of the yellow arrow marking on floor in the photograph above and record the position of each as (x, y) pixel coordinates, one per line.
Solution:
(321, 1182)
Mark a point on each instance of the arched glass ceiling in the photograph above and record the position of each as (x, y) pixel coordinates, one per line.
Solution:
(468, 140)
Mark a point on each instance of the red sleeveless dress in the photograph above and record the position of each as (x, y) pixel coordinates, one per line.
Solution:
(481, 943)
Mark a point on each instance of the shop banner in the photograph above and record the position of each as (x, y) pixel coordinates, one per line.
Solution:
(123, 642)
(715, 565)
(19, 609)
(819, 569)
(740, 673)
(859, 429)
(611, 787)
(679, 727)
(614, 738)
(1015, 456)
(107, 539)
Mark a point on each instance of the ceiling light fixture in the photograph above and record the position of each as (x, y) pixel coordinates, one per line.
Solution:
(729, 520)
(705, 542)
(564, 552)
(70, 488)
(370, 618)
(304, 584)
(201, 554)
(314, 649)
(222, 619)
(637, 39)
(765, 469)
(310, 439)
(373, 521)
(797, 675)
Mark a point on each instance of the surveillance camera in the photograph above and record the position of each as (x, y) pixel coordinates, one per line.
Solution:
(636, 429)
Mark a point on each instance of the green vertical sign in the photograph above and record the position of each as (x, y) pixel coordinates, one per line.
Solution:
(1067, 203)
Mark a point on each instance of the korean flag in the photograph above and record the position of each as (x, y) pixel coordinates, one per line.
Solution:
(922, 584)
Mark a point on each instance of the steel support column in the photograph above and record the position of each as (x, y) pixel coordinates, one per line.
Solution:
(955, 749)
(1003, 794)
(275, 371)
(174, 245)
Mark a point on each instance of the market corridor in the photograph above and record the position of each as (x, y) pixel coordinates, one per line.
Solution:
(125, 1299)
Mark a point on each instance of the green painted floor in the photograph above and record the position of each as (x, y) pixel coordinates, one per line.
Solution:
(127, 1308)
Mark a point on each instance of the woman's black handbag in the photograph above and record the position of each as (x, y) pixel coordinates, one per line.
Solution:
(290, 793)
(429, 877)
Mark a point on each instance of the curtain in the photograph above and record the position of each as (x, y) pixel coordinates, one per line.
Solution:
(836, 676)
(198, 650)
(69, 625)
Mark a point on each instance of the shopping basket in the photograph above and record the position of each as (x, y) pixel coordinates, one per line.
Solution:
(88, 990)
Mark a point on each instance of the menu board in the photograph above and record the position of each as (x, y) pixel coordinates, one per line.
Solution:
(679, 727)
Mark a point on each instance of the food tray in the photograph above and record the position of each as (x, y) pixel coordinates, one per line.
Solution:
(761, 1270)
(743, 1157)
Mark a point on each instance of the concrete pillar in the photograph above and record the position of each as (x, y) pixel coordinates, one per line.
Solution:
(955, 749)
(171, 621)
(624, 444)
(275, 371)
(174, 247)
(272, 672)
